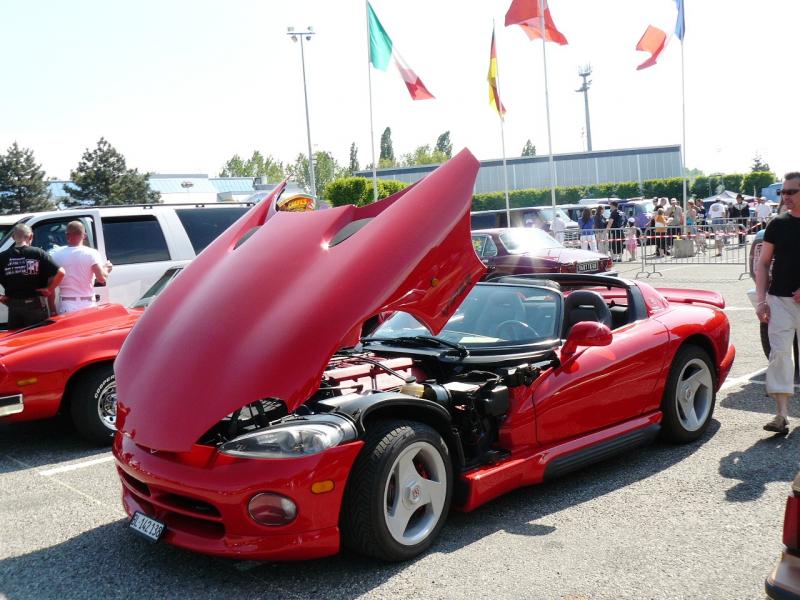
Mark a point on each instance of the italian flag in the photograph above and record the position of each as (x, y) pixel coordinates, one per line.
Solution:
(382, 52)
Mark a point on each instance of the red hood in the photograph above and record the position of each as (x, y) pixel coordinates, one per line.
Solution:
(263, 320)
(105, 317)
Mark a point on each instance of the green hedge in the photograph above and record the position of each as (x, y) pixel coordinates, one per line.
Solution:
(358, 190)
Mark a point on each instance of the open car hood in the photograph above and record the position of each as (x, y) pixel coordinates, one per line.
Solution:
(263, 319)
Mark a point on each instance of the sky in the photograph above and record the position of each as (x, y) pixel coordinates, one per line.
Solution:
(180, 86)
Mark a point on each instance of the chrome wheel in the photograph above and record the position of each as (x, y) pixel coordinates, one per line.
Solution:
(107, 403)
(415, 493)
(694, 394)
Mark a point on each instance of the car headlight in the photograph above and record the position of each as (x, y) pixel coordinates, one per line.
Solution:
(293, 439)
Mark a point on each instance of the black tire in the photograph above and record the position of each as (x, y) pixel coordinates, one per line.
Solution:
(766, 347)
(94, 393)
(687, 411)
(372, 486)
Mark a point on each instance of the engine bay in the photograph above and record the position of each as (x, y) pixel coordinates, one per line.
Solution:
(475, 398)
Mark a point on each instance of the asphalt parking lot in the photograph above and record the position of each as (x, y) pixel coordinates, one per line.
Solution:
(696, 521)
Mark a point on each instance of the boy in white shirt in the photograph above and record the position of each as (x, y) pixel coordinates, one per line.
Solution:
(83, 265)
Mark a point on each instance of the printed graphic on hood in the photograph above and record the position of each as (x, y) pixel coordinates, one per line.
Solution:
(262, 319)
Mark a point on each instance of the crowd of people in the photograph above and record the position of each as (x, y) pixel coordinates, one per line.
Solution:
(614, 234)
(30, 276)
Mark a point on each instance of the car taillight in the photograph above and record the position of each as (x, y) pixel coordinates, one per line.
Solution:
(791, 539)
(272, 509)
(606, 263)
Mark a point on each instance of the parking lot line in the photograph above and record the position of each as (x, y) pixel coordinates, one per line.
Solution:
(75, 466)
(742, 379)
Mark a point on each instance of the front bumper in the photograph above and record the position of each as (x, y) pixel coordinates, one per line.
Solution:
(784, 581)
(726, 364)
(202, 496)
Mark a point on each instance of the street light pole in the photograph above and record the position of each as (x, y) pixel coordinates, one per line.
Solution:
(585, 72)
(295, 35)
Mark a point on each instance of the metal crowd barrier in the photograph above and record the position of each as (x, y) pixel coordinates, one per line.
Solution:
(724, 242)
(611, 242)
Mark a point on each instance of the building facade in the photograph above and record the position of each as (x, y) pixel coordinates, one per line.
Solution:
(578, 168)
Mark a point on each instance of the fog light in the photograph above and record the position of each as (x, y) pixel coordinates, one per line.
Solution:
(272, 509)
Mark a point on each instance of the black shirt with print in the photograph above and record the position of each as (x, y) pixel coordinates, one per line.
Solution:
(784, 233)
(25, 269)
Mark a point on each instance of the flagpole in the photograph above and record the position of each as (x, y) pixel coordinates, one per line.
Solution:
(371, 123)
(683, 143)
(505, 172)
(502, 131)
(547, 110)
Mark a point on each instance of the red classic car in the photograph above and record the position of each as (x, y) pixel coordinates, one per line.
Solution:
(66, 365)
(275, 432)
(523, 250)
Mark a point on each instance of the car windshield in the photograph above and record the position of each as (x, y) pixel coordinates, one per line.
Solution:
(647, 207)
(524, 240)
(155, 289)
(547, 214)
(491, 315)
(5, 229)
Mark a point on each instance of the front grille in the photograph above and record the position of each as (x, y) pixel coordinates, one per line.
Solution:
(179, 512)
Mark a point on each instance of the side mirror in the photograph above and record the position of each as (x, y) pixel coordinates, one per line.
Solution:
(585, 333)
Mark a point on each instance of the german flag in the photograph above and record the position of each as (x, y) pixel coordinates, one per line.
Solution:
(494, 92)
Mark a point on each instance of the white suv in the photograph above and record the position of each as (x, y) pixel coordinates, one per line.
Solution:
(142, 241)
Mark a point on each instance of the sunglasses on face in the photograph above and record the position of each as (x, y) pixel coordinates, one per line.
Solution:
(789, 192)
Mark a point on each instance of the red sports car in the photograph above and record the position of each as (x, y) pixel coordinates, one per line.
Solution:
(66, 365)
(274, 431)
(523, 250)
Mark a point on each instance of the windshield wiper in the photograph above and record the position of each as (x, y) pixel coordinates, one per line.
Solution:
(419, 340)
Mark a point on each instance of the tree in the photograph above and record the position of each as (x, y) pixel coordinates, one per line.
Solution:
(759, 166)
(423, 155)
(235, 167)
(693, 173)
(528, 149)
(353, 167)
(387, 151)
(326, 169)
(256, 166)
(22, 183)
(103, 178)
(753, 183)
(444, 145)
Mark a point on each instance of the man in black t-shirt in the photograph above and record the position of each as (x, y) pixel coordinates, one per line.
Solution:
(28, 276)
(779, 299)
(616, 222)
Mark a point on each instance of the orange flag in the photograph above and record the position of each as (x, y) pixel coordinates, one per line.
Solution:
(653, 42)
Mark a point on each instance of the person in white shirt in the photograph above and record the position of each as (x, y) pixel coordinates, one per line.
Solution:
(558, 227)
(717, 212)
(763, 212)
(83, 265)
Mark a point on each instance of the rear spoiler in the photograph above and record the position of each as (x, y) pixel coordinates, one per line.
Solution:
(687, 296)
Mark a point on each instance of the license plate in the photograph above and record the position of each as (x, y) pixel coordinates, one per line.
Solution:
(587, 266)
(148, 528)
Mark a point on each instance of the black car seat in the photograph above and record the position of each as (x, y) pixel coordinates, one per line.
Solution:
(584, 305)
(502, 305)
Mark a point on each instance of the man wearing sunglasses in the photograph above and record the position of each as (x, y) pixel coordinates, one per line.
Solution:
(778, 298)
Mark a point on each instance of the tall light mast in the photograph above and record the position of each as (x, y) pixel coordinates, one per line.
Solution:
(585, 72)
